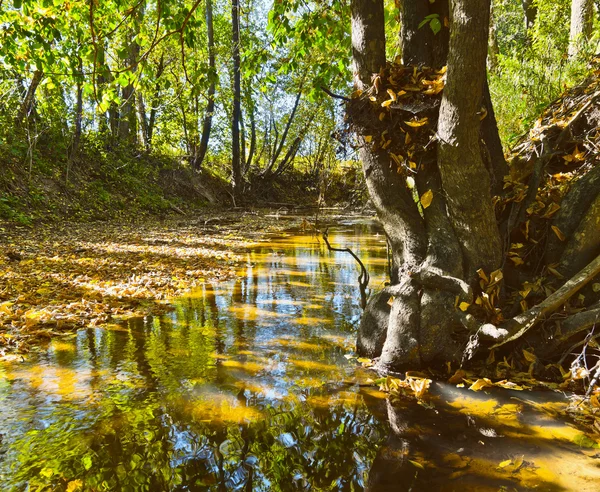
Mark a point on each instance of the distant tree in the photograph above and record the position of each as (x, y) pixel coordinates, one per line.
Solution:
(581, 24)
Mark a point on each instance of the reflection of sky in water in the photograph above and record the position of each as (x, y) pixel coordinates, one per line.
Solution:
(245, 384)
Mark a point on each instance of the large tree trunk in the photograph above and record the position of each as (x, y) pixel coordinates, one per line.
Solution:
(437, 248)
(236, 163)
(581, 24)
(470, 207)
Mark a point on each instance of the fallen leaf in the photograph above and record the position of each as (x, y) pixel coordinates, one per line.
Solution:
(418, 123)
(426, 198)
(558, 232)
(481, 384)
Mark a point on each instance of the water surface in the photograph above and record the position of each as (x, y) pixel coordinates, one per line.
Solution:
(246, 385)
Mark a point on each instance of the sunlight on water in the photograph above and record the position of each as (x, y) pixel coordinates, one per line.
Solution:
(244, 386)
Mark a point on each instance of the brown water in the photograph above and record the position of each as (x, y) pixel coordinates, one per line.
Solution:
(245, 386)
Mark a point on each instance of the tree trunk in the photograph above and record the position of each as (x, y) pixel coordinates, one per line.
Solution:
(142, 120)
(581, 24)
(420, 45)
(210, 105)
(78, 114)
(28, 103)
(493, 49)
(252, 149)
(155, 100)
(436, 249)
(470, 207)
(236, 164)
(530, 13)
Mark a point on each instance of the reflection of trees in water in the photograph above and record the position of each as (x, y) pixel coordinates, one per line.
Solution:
(129, 445)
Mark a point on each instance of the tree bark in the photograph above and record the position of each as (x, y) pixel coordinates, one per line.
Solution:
(420, 45)
(28, 103)
(436, 249)
(368, 40)
(210, 105)
(493, 49)
(461, 167)
(581, 24)
(236, 164)
(530, 13)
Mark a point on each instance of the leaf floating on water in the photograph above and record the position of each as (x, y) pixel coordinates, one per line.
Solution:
(504, 464)
(417, 464)
(426, 198)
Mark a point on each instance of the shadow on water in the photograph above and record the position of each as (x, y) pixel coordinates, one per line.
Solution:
(244, 386)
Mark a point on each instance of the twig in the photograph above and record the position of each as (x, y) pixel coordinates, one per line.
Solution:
(363, 278)
(334, 95)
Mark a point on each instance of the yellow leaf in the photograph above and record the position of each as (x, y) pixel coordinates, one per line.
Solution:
(5, 307)
(391, 300)
(372, 99)
(426, 198)
(417, 464)
(505, 463)
(516, 260)
(381, 116)
(386, 103)
(458, 376)
(365, 362)
(464, 306)
(392, 94)
(481, 384)
(529, 356)
(559, 233)
(410, 182)
(74, 485)
(418, 123)
(556, 273)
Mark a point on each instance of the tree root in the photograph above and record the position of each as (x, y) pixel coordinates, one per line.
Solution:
(521, 324)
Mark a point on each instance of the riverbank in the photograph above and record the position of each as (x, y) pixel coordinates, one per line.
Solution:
(55, 278)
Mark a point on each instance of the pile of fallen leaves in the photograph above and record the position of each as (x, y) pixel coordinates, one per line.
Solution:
(405, 99)
(56, 278)
(567, 135)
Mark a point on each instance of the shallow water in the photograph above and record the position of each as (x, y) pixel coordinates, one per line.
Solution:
(245, 386)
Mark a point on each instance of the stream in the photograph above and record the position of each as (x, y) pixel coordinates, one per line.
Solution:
(250, 385)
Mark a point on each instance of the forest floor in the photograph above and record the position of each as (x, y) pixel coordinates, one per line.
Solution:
(55, 278)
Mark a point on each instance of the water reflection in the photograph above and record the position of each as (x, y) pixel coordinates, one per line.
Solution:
(244, 386)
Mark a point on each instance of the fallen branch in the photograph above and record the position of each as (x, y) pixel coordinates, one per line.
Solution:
(519, 325)
(363, 278)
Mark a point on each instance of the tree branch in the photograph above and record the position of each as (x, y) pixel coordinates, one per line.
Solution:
(363, 278)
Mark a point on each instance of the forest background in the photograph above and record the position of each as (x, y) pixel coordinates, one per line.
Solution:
(117, 107)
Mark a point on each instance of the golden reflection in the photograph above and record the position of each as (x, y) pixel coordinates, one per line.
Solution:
(217, 408)
(296, 344)
(252, 313)
(308, 321)
(313, 365)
